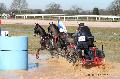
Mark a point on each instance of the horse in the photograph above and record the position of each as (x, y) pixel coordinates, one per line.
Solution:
(38, 30)
(59, 42)
(54, 32)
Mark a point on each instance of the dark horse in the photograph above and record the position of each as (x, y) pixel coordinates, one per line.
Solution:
(44, 38)
(54, 32)
(59, 41)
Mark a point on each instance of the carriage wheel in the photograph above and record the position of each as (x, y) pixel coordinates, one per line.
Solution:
(97, 61)
(83, 61)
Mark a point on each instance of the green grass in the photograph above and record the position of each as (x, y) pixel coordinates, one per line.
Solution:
(109, 37)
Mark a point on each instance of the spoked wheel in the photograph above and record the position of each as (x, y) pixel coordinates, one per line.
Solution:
(83, 61)
(97, 61)
(100, 61)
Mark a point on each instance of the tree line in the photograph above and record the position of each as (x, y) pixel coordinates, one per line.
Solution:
(21, 7)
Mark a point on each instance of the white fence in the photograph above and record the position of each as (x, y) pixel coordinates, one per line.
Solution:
(69, 18)
(73, 17)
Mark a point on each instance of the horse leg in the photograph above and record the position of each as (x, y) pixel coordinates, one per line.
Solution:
(37, 53)
(43, 44)
(52, 53)
(59, 51)
(67, 55)
(65, 52)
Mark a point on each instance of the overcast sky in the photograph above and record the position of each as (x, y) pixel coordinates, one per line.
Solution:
(65, 4)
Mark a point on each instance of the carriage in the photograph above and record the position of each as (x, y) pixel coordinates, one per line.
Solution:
(84, 45)
(82, 48)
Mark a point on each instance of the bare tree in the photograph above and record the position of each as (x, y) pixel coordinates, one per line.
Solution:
(2, 7)
(76, 10)
(86, 12)
(114, 8)
(53, 8)
(104, 12)
(36, 11)
(19, 5)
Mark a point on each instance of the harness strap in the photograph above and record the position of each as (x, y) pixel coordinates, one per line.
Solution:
(56, 37)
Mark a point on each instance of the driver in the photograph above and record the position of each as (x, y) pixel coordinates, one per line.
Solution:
(81, 39)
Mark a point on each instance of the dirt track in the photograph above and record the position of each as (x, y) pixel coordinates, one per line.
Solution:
(60, 68)
(67, 23)
(53, 68)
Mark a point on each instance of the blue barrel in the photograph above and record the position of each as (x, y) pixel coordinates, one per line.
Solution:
(14, 53)
(0, 31)
(13, 43)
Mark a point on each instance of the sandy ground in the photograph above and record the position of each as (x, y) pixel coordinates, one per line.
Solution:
(66, 23)
(54, 68)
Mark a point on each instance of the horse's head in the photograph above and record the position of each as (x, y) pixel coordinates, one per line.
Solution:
(53, 29)
(38, 30)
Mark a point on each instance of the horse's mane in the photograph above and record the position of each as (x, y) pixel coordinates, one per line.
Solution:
(56, 27)
(41, 27)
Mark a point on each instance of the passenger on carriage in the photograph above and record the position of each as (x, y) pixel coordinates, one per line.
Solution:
(61, 27)
(63, 34)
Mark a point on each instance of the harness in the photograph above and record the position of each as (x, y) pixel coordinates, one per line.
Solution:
(56, 38)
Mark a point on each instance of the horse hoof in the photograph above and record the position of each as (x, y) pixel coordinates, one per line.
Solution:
(37, 57)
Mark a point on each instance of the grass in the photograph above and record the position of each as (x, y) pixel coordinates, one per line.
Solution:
(109, 37)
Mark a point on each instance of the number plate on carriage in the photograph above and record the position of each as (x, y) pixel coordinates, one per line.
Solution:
(81, 38)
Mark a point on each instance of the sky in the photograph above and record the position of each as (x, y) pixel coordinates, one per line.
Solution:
(65, 4)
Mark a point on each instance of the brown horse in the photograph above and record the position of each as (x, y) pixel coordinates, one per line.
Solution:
(53, 31)
(59, 41)
(43, 36)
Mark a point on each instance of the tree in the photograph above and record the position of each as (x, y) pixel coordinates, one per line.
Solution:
(19, 5)
(53, 8)
(96, 11)
(114, 8)
(2, 8)
(36, 11)
(86, 12)
(74, 10)
(104, 12)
